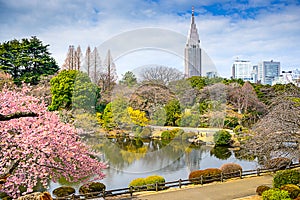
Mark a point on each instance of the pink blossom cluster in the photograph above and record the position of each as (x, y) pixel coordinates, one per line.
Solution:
(39, 148)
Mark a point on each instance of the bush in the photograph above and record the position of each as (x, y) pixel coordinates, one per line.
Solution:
(231, 169)
(208, 175)
(286, 177)
(275, 194)
(154, 179)
(293, 190)
(140, 183)
(92, 187)
(222, 138)
(278, 163)
(260, 189)
(137, 183)
(63, 191)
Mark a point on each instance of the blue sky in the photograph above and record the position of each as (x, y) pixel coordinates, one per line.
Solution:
(253, 30)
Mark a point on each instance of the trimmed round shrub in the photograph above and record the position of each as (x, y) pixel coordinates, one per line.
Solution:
(286, 177)
(209, 175)
(222, 138)
(260, 189)
(63, 191)
(138, 182)
(231, 169)
(278, 163)
(275, 194)
(92, 187)
(154, 179)
(292, 189)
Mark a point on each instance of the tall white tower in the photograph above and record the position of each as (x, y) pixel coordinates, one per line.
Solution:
(192, 51)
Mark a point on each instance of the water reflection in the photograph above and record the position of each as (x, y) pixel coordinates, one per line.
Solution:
(134, 158)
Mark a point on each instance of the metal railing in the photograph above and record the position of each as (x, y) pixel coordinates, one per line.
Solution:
(177, 183)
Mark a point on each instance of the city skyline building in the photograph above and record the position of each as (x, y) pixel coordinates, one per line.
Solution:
(268, 71)
(242, 69)
(192, 51)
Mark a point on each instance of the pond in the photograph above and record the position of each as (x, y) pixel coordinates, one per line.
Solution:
(134, 158)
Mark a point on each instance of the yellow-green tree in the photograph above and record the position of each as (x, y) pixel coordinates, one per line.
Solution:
(137, 117)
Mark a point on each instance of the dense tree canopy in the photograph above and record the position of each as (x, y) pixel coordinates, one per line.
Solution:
(36, 146)
(26, 60)
(73, 89)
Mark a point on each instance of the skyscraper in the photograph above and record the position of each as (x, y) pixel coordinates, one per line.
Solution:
(268, 71)
(192, 51)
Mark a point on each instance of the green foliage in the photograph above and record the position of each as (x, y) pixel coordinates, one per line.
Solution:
(239, 129)
(260, 189)
(222, 138)
(62, 87)
(73, 89)
(293, 190)
(286, 177)
(275, 194)
(198, 82)
(140, 182)
(154, 179)
(137, 182)
(63, 191)
(26, 60)
(229, 81)
(221, 152)
(208, 175)
(85, 93)
(231, 122)
(231, 169)
(128, 79)
(167, 135)
(107, 118)
(173, 113)
(190, 120)
(158, 118)
(171, 134)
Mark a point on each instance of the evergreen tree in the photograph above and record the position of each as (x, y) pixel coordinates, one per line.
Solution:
(26, 60)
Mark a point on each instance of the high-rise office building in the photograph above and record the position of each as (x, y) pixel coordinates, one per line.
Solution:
(268, 71)
(192, 52)
(242, 69)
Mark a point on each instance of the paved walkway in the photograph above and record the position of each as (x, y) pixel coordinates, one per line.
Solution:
(233, 189)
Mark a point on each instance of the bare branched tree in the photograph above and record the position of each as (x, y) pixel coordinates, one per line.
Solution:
(95, 65)
(73, 59)
(160, 74)
(107, 77)
(277, 134)
(88, 60)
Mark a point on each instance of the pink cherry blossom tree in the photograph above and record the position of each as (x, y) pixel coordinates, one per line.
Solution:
(36, 147)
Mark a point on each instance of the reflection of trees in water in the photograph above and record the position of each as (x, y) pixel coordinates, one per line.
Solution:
(223, 153)
(194, 156)
(150, 155)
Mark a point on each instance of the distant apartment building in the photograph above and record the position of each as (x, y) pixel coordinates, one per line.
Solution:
(287, 77)
(242, 69)
(268, 71)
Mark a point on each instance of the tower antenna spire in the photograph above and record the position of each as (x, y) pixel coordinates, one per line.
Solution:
(193, 21)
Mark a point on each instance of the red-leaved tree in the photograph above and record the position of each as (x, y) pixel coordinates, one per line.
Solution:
(36, 147)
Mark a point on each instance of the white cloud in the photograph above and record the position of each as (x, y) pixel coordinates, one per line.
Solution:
(268, 35)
